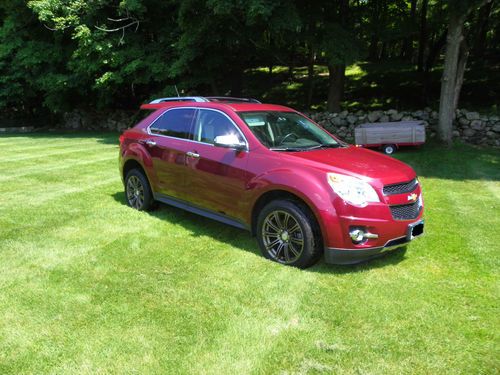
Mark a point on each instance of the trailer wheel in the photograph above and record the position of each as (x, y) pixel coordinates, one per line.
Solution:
(389, 149)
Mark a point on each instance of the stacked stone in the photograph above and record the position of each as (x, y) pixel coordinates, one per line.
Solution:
(477, 129)
(469, 126)
(111, 121)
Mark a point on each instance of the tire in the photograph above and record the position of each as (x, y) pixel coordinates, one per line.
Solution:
(138, 191)
(389, 149)
(288, 234)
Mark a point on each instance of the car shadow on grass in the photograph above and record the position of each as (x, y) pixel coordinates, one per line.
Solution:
(200, 226)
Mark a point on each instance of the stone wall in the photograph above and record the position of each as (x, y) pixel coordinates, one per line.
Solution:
(471, 127)
(83, 120)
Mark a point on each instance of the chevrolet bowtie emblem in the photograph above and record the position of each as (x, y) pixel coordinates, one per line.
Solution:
(412, 197)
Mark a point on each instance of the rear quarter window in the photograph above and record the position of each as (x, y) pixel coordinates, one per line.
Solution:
(176, 123)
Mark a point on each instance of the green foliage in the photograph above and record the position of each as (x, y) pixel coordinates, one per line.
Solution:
(56, 55)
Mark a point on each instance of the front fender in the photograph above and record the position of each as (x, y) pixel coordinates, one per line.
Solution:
(311, 188)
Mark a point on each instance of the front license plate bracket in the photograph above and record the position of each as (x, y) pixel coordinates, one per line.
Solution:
(415, 230)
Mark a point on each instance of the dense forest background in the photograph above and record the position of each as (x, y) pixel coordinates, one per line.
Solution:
(57, 55)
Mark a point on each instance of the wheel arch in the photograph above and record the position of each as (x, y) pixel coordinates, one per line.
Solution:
(280, 194)
(132, 164)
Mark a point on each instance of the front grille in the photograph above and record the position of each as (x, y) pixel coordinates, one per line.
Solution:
(406, 211)
(405, 187)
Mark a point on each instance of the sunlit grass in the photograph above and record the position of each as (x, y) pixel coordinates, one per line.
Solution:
(293, 86)
(88, 285)
(355, 72)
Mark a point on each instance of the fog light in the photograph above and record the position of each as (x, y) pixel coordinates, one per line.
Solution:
(357, 235)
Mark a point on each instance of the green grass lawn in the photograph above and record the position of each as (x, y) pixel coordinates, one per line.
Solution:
(88, 285)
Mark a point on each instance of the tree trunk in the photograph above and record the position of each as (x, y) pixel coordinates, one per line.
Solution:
(407, 47)
(436, 47)
(462, 62)
(310, 77)
(449, 79)
(236, 81)
(373, 48)
(482, 29)
(291, 66)
(422, 44)
(214, 87)
(383, 52)
(336, 86)
(453, 70)
(375, 30)
(434, 51)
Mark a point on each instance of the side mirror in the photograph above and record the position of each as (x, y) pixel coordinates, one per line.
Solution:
(229, 141)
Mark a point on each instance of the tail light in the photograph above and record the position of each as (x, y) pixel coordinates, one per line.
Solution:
(121, 139)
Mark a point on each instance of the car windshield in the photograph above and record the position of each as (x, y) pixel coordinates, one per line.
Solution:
(287, 131)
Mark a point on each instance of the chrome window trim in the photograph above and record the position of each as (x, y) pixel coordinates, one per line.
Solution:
(196, 109)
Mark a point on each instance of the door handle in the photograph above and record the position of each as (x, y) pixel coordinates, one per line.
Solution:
(191, 154)
(149, 142)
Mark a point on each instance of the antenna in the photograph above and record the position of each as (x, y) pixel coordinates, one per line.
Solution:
(177, 91)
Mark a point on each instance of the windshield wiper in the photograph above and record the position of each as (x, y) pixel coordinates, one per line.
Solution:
(286, 149)
(321, 145)
(324, 145)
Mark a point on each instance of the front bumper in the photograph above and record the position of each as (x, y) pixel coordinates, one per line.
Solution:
(353, 256)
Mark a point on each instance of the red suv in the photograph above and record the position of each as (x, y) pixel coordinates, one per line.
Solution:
(272, 171)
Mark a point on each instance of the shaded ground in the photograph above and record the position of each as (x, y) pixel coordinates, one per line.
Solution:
(377, 85)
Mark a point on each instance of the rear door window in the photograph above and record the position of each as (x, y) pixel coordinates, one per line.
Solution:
(177, 123)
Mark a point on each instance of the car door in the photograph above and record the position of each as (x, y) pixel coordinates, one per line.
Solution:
(171, 138)
(216, 176)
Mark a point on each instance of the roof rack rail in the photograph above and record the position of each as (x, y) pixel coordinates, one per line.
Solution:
(198, 99)
(201, 99)
(230, 99)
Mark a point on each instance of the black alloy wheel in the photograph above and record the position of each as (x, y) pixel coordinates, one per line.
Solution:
(138, 191)
(287, 233)
(282, 237)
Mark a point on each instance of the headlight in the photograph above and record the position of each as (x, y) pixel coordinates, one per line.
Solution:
(352, 190)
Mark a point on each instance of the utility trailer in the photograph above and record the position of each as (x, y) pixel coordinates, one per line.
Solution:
(389, 136)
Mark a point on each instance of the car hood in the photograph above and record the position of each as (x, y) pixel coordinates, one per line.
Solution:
(357, 162)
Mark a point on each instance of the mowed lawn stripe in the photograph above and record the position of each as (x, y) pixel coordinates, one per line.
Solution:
(33, 193)
(47, 179)
(44, 146)
(55, 166)
(82, 151)
(13, 142)
(70, 157)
